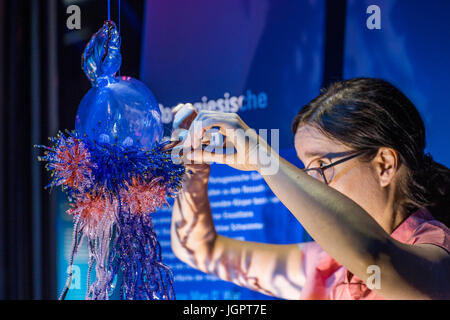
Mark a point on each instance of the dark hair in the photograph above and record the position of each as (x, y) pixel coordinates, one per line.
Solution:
(366, 114)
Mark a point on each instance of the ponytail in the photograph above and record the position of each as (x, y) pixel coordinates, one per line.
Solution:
(430, 188)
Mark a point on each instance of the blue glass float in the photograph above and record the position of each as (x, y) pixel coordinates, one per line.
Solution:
(116, 110)
(116, 174)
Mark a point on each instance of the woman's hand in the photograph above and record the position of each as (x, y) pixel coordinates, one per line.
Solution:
(194, 239)
(192, 229)
(184, 114)
(237, 145)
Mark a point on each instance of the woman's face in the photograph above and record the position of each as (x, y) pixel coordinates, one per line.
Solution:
(356, 179)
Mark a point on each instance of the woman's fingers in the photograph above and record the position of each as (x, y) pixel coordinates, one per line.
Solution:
(202, 156)
(237, 146)
(207, 120)
(184, 114)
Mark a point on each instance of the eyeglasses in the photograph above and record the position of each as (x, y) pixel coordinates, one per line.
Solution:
(326, 177)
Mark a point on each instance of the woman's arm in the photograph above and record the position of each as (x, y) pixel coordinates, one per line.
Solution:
(351, 236)
(270, 269)
(274, 270)
(339, 225)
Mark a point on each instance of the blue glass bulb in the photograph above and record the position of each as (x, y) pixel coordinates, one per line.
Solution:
(118, 110)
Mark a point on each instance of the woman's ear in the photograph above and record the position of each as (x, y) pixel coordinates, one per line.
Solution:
(386, 165)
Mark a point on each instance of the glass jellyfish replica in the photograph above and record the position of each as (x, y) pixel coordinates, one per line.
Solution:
(115, 173)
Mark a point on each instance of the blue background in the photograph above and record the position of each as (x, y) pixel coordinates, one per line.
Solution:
(412, 51)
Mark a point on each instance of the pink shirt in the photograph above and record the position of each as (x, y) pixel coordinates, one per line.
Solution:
(327, 279)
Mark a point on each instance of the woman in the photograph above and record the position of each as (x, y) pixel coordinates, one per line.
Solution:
(375, 204)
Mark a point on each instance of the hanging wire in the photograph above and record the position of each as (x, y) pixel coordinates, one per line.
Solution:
(109, 18)
(119, 31)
